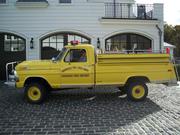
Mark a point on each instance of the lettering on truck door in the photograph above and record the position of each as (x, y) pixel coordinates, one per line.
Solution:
(76, 69)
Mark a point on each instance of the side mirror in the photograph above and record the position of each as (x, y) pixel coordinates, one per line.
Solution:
(53, 59)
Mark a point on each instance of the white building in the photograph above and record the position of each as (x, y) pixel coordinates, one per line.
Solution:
(38, 29)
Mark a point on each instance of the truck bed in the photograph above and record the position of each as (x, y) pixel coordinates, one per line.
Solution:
(118, 68)
(133, 58)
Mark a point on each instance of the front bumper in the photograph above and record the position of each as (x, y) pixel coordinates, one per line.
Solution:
(11, 83)
(12, 79)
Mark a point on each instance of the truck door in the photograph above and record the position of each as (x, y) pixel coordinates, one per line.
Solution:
(77, 70)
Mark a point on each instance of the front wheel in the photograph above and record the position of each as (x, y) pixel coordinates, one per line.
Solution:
(137, 91)
(35, 93)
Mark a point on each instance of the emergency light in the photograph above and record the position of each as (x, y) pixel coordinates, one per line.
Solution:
(74, 42)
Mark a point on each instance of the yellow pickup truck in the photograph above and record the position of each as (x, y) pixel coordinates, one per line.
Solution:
(78, 66)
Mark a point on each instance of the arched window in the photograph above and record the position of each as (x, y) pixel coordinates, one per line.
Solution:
(59, 40)
(127, 41)
(52, 44)
(13, 43)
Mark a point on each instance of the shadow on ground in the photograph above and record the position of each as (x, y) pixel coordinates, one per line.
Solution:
(70, 113)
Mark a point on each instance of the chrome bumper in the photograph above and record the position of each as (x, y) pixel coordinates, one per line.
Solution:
(11, 84)
(12, 80)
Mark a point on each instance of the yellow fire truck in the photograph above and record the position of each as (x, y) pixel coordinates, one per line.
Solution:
(78, 66)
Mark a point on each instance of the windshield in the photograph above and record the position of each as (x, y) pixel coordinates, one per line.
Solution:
(61, 54)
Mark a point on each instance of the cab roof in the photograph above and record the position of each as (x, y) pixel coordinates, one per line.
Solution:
(80, 45)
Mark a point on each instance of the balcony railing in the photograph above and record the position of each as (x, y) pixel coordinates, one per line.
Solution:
(129, 11)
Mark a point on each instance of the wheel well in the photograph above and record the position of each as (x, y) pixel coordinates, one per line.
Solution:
(138, 78)
(37, 80)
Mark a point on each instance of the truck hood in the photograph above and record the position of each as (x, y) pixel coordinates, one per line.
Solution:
(34, 64)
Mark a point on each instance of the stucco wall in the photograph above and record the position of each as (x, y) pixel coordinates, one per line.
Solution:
(82, 16)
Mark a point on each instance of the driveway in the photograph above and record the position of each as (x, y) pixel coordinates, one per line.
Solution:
(100, 112)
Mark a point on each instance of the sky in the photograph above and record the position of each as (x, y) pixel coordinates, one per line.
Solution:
(171, 10)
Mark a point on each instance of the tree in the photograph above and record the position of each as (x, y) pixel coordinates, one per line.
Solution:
(172, 36)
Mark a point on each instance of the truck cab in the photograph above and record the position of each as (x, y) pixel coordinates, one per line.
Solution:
(77, 67)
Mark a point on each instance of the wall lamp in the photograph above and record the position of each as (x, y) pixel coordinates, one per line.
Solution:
(98, 43)
(32, 43)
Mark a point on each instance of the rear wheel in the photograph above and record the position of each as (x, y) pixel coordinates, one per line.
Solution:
(137, 91)
(35, 93)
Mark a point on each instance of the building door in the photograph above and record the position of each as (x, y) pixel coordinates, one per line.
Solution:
(53, 44)
(12, 48)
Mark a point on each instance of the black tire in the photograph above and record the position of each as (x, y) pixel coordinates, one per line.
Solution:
(36, 96)
(137, 91)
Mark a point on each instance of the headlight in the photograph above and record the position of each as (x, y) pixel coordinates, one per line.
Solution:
(16, 77)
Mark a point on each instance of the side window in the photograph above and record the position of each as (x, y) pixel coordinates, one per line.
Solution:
(76, 55)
